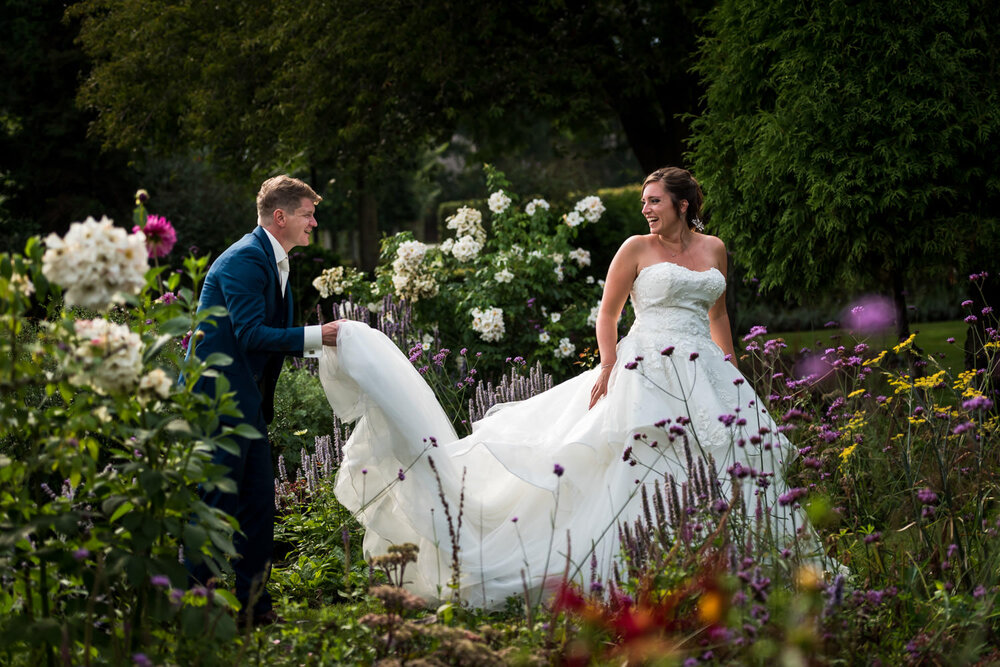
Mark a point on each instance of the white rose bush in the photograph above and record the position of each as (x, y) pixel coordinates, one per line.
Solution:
(92, 343)
(490, 283)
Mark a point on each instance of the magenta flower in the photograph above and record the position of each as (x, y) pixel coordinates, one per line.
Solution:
(160, 236)
(694, 355)
(559, 470)
(792, 496)
(756, 330)
(926, 496)
(400, 475)
(870, 314)
(978, 403)
(667, 351)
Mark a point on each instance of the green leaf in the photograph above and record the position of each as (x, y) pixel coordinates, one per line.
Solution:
(126, 506)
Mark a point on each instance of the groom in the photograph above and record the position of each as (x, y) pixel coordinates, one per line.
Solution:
(250, 280)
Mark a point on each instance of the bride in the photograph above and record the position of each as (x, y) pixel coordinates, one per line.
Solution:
(544, 483)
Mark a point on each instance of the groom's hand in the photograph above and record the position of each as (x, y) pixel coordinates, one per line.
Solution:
(330, 330)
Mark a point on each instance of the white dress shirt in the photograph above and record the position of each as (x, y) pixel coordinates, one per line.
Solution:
(312, 345)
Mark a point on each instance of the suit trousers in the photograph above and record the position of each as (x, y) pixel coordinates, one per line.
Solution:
(253, 507)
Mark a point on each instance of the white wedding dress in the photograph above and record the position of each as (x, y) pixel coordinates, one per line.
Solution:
(516, 512)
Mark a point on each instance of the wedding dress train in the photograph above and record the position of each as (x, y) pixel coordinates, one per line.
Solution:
(546, 479)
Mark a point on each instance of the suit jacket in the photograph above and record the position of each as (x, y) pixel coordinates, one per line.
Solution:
(256, 332)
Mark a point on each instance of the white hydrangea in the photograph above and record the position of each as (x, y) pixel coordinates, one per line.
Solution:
(466, 222)
(488, 323)
(544, 337)
(411, 252)
(109, 354)
(580, 256)
(592, 318)
(591, 208)
(503, 276)
(565, 348)
(96, 263)
(498, 201)
(336, 280)
(466, 249)
(155, 383)
(410, 278)
(573, 219)
(535, 205)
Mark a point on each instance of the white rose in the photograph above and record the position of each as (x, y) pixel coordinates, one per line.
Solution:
(565, 348)
(591, 207)
(543, 337)
(592, 318)
(555, 317)
(503, 276)
(498, 202)
(573, 219)
(535, 205)
(580, 256)
(466, 249)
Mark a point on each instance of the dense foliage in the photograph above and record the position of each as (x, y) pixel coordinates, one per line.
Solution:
(851, 144)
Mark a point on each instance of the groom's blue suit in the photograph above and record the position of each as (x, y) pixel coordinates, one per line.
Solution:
(257, 334)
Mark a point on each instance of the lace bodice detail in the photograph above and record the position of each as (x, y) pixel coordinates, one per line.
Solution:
(672, 301)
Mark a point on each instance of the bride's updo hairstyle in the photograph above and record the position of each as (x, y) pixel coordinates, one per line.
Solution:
(680, 184)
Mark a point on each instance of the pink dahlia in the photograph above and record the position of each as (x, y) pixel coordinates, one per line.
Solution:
(160, 236)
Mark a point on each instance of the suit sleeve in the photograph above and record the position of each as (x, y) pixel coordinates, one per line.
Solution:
(244, 284)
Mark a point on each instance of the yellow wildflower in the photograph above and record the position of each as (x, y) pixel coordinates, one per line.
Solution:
(874, 360)
(929, 381)
(905, 344)
(856, 392)
(844, 455)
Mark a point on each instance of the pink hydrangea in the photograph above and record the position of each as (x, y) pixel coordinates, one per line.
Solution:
(160, 236)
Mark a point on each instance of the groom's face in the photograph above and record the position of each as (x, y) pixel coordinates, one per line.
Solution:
(300, 223)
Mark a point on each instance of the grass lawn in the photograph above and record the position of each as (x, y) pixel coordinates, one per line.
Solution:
(931, 338)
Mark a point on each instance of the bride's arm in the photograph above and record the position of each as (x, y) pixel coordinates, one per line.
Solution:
(718, 315)
(621, 274)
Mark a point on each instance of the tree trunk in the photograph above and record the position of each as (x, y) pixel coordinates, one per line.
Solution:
(982, 294)
(650, 141)
(368, 230)
(899, 300)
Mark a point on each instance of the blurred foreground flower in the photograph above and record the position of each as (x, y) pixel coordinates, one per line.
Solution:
(96, 263)
(869, 315)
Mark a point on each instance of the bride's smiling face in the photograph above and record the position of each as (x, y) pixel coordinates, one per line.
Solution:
(658, 208)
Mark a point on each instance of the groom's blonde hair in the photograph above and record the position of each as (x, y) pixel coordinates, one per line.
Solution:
(282, 192)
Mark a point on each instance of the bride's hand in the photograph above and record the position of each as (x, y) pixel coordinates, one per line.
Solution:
(600, 387)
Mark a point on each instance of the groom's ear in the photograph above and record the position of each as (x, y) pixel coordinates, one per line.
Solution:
(278, 217)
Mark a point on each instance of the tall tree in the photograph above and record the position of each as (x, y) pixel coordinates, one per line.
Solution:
(50, 172)
(852, 144)
(355, 90)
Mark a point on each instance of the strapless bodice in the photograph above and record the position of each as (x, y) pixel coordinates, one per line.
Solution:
(672, 301)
